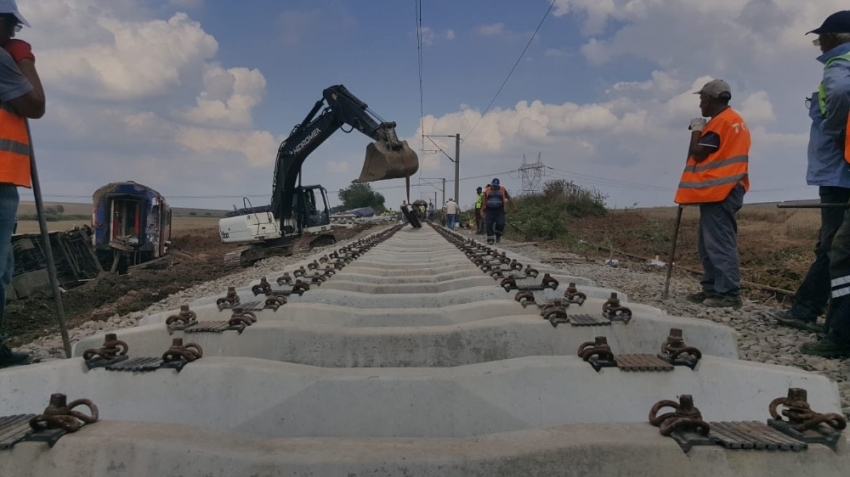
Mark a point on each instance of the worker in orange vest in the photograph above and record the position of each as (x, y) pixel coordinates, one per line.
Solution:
(21, 96)
(716, 178)
(493, 207)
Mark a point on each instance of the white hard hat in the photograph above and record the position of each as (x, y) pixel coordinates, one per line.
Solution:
(10, 6)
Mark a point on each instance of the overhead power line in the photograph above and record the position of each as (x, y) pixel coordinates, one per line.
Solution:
(418, 8)
(533, 35)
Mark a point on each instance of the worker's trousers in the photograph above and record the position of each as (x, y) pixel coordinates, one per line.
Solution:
(8, 210)
(718, 244)
(811, 298)
(479, 221)
(838, 316)
(494, 223)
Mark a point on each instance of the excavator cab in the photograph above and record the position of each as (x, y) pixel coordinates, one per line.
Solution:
(388, 158)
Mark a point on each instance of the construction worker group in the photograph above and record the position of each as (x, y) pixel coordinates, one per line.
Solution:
(716, 178)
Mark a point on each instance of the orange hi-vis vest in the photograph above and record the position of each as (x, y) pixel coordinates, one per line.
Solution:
(487, 191)
(14, 149)
(714, 178)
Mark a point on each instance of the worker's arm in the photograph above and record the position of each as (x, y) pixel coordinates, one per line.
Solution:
(18, 71)
(702, 145)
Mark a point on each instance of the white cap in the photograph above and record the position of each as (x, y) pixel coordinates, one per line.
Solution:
(9, 6)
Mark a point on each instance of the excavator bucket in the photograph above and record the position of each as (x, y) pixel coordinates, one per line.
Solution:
(384, 162)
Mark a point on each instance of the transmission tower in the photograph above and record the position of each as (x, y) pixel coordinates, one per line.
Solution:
(532, 175)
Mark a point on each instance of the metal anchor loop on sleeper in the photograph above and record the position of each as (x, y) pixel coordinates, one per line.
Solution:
(60, 414)
(112, 347)
(598, 348)
(181, 352)
(573, 295)
(800, 415)
(185, 318)
(263, 287)
(616, 312)
(686, 417)
(674, 348)
(228, 301)
(242, 317)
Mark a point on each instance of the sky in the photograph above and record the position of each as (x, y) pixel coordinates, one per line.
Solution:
(193, 97)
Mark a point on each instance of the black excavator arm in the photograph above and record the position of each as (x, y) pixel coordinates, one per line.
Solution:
(340, 108)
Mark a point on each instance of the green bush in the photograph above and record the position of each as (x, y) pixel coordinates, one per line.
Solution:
(544, 216)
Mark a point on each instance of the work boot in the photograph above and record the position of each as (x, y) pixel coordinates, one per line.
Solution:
(490, 241)
(828, 348)
(498, 239)
(786, 318)
(700, 297)
(10, 358)
(723, 301)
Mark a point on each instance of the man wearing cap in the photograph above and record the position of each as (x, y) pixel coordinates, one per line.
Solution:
(452, 211)
(479, 200)
(21, 96)
(495, 201)
(716, 178)
(828, 169)
(829, 155)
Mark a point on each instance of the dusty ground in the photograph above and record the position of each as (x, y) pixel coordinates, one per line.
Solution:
(197, 258)
(776, 245)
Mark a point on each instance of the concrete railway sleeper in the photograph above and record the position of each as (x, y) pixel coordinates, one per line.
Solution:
(402, 353)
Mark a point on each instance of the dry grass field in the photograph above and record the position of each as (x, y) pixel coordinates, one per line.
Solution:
(182, 218)
(776, 245)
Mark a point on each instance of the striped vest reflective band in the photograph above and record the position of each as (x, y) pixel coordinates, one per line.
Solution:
(822, 100)
(14, 149)
(714, 178)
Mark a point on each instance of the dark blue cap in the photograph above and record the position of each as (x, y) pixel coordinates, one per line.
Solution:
(838, 22)
(495, 182)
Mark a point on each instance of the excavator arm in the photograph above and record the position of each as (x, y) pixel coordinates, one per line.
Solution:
(386, 158)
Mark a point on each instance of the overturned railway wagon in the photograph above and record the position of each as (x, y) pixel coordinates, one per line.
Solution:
(131, 224)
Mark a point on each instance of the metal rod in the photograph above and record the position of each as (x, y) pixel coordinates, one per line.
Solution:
(672, 252)
(48, 251)
(800, 205)
(457, 169)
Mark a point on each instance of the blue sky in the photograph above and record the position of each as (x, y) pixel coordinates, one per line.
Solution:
(192, 97)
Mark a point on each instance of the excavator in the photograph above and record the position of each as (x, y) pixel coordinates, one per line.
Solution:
(299, 216)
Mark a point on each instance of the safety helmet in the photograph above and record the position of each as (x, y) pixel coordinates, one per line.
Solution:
(495, 182)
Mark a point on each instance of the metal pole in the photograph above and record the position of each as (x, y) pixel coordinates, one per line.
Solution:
(48, 251)
(457, 169)
(444, 191)
(672, 252)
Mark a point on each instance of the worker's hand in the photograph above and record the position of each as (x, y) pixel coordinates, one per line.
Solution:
(19, 49)
(697, 124)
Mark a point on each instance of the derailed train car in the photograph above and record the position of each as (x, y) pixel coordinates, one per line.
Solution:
(131, 224)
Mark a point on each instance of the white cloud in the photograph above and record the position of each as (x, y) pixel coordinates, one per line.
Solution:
(492, 29)
(141, 59)
(119, 83)
(336, 167)
(430, 36)
(228, 97)
(259, 147)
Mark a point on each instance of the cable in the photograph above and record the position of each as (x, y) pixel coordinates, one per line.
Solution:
(418, 8)
(466, 136)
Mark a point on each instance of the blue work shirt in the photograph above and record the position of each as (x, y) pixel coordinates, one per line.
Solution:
(827, 166)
